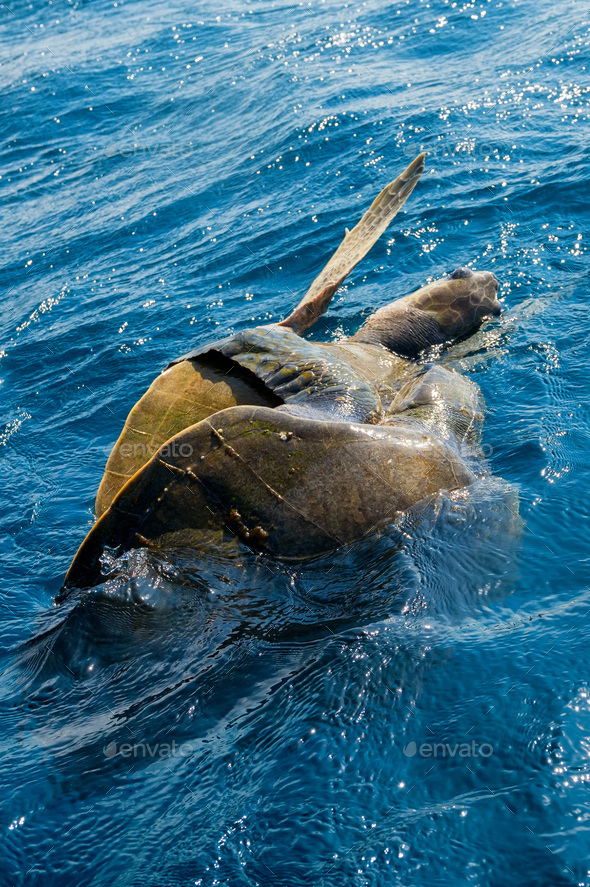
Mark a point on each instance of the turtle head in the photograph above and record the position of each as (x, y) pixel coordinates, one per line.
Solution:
(444, 311)
(459, 302)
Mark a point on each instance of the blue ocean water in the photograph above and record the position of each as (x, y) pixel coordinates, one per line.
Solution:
(420, 716)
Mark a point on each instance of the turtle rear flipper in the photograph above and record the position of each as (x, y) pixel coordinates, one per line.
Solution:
(292, 487)
(300, 373)
(354, 247)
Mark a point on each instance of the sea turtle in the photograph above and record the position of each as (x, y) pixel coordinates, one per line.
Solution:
(299, 447)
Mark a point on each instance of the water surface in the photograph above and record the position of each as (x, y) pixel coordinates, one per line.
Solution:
(172, 174)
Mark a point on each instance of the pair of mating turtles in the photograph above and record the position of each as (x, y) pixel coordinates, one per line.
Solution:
(293, 446)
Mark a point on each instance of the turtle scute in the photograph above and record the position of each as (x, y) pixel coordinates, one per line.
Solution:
(182, 395)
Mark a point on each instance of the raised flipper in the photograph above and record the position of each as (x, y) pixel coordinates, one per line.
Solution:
(290, 486)
(304, 375)
(354, 247)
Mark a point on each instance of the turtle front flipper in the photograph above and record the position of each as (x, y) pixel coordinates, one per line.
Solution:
(444, 401)
(290, 486)
(354, 247)
(304, 375)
